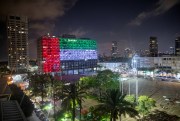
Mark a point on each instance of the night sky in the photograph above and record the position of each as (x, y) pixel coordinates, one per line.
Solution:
(129, 22)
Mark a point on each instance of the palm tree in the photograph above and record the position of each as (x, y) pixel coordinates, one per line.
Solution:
(113, 103)
(72, 97)
(39, 84)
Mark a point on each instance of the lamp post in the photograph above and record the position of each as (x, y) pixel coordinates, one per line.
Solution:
(134, 64)
(129, 88)
(121, 85)
(136, 90)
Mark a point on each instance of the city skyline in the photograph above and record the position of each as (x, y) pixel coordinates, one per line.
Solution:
(130, 23)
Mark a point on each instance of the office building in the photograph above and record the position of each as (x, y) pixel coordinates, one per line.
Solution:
(14, 35)
(153, 47)
(177, 46)
(66, 55)
(164, 62)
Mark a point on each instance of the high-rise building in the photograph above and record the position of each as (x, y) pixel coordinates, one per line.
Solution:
(171, 50)
(66, 55)
(127, 53)
(153, 47)
(15, 33)
(177, 46)
(114, 50)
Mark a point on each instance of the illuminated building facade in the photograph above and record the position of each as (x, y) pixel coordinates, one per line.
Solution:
(66, 55)
(167, 62)
(153, 47)
(177, 46)
(78, 56)
(171, 50)
(48, 54)
(16, 36)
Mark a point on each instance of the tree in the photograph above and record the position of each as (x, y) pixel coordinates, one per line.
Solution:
(72, 98)
(39, 84)
(96, 115)
(23, 100)
(145, 104)
(130, 98)
(90, 84)
(106, 79)
(4, 71)
(114, 103)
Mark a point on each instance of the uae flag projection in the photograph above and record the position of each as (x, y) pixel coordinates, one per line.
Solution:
(77, 49)
(54, 50)
(50, 54)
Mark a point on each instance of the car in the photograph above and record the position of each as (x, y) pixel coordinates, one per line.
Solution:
(39, 113)
(37, 110)
(163, 79)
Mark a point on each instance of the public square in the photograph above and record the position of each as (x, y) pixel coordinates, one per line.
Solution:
(166, 94)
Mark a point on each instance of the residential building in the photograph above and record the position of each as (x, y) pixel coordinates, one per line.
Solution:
(15, 36)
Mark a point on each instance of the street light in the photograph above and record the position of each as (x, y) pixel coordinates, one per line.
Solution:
(134, 65)
(121, 85)
(129, 88)
(136, 90)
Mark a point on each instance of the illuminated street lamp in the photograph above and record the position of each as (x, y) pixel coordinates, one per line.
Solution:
(129, 88)
(136, 90)
(134, 65)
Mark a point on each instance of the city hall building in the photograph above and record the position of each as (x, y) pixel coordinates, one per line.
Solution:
(67, 56)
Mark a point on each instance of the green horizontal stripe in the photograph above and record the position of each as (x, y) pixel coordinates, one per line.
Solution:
(74, 43)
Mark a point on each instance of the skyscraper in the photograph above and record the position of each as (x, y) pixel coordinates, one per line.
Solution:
(153, 47)
(177, 46)
(127, 53)
(16, 36)
(171, 50)
(114, 50)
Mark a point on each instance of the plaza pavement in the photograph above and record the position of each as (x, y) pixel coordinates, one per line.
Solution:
(165, 93)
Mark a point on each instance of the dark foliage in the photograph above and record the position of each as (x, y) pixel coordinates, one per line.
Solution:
(23, 100)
